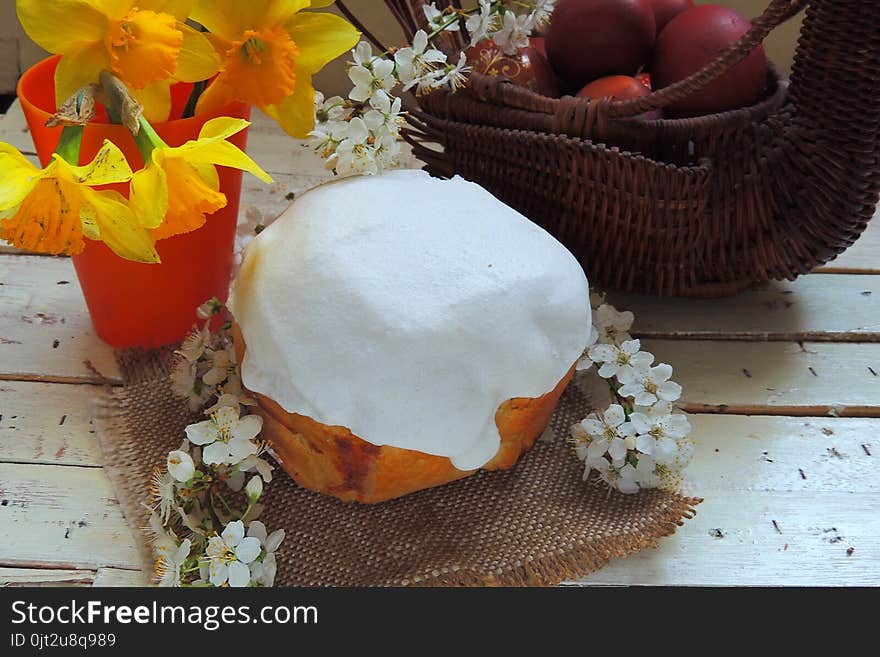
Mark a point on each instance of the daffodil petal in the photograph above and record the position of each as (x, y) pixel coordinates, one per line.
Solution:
(222, 127)
(318, 4)
(117, 225)
(225, 154)
(108, 166)
(198, 60)
(280, 11)
(48, 219)
(113, 9)
(296, 113)
(180, 9)
(217, 96)
(61, 26)
(78, 68)
(19, 177)
(320, 38)
(208, 173)
(149, 195)
(156, 99)
(231, 19)
(190, 198)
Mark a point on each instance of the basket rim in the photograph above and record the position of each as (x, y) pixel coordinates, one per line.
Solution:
(493, 90)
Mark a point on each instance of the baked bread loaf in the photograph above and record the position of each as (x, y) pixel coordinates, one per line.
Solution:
(401, 332)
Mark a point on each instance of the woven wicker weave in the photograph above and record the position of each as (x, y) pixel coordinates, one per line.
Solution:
(695, 207)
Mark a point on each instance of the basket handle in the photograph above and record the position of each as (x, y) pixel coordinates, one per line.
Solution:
(572, 111)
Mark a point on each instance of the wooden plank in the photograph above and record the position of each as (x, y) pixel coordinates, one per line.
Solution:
(819, 479)
(783, 378)
(806, 309)
(120, 577)
(45, 331)
(104, 577)
(863, 257)
(45, 577)
(811, 455)
(733, 541)
(62, 517)
(48, 423)
(14, 130)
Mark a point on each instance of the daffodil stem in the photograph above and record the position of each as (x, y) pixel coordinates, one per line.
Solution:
(147, 139)
(69, 143)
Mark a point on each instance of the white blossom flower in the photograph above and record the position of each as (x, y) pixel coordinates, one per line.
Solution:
(542, 12)
(325, 136)
(331, 109)
(671, 474)
(263, 570)
(194, 344)
(162, 541)
(385, 113)
(417, 63)
(180, 465)
(514, 32)
(648, 385)
(363, 54)
(481, 23)
(632, 479)
(368, 80)
(186, 384)
(162, 493)
(254, 463)
(437, 19)
(168, 565)
(659, 431)
(455, 76)
(616, 359)
(355, 155)
(609, 434)
(225, 438)
(254, 489)
(612, 326)
(231, 400)
(386, 149)
(230, 556)
(223, 361)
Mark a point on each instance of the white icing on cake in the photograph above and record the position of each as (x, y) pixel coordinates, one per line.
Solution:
(408, 309)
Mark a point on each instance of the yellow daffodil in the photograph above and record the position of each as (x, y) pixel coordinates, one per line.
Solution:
(269, 51)
(179, 186)
(51, 210)
(143, 42)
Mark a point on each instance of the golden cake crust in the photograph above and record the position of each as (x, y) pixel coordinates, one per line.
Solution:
(332, 460)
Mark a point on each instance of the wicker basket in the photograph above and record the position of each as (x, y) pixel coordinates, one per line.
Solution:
(692, 207)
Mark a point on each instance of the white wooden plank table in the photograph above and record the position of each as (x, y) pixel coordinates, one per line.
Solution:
(783, 383)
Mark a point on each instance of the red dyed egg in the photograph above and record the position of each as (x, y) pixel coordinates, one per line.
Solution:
(619, 87)
(528, 68)
(589, 39)
(693, 39)
(666, 10)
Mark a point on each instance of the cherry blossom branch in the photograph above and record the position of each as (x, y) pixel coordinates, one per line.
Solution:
(361, 134)
(639, 441)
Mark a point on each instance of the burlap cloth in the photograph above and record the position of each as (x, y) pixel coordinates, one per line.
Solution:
(537, 524)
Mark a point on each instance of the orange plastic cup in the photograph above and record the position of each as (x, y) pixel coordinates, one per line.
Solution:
(130, 303)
